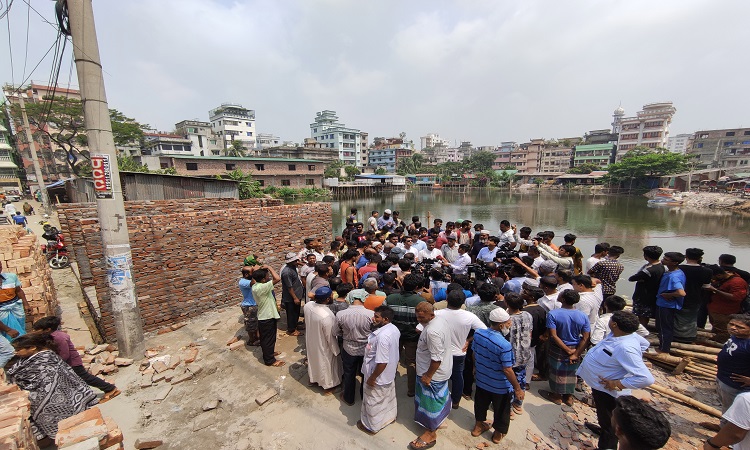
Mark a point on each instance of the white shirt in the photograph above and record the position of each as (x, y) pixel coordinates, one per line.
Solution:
(382, 347)
(430, 254)
(459, 265)
(506, 238)
(434, 345)
(589, 264)
(413, 250)
(373, 223)
(739, 415)
(537, 262)
(460, 322)
(589, 305)
(601, 329)
(549, 302)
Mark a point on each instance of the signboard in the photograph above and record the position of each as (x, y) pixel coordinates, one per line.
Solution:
(102, 173)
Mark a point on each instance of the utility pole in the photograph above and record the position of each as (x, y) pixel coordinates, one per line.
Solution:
(109, 198)
(32, 150)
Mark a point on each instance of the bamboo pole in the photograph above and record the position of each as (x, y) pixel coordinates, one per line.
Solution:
(696, 355)
(712, 344)
(696, 348)
(687, 400)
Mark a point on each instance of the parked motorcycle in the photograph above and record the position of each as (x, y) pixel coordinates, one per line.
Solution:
(54, 249)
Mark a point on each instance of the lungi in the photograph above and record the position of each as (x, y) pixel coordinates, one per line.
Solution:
(13, 316)
(562, 374)
(432, 403)
(379, 406)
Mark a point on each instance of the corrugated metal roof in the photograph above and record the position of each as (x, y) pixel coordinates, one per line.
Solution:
(246, 158)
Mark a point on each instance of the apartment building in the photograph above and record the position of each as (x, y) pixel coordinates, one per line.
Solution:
(9, 172)
(601, 155)
(327, 130)
(203, 140)
(232, 121)
(679, 143)
(386, 152)
(648, 128)
(432, 140)
(721, 148)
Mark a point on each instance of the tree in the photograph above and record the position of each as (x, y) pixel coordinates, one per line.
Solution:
(237, 149)
(410, 164)
(380, 171)
(644, 162)
(248, 188)
(479, 162)
(351, 171)
(128, 164)
(584, 168)
(126, 130)
(334, 169)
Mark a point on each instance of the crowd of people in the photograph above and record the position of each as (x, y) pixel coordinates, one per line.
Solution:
(477, 314)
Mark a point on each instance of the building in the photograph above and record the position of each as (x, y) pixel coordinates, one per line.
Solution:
(231, 122)
(649, 128)
(364, 149)
(432, 140)
(510, 156)
(600, 137)
(296, 173)
(156, 145)
(601, 155)
(617, 116)
(267, 140)
(9, 176)
(327, 130)
(311, 150)
(507, 146)
(557, 156)
(721, 148)
(679, 143)
(204, 141)
(53, 159)
(386, 152)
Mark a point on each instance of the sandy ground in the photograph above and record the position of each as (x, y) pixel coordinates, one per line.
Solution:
(300, 416)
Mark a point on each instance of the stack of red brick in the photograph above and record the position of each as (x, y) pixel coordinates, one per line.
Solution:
(89, 431)
(21, 254)
(15, 427)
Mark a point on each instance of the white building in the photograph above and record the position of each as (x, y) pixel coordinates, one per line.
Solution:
(205, 142)
(679, 143)
(231, 121)
(433, 140)
(649, 128)
(328, 131)
(266, 140)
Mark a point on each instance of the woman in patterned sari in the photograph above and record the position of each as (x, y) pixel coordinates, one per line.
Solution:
(55, 391)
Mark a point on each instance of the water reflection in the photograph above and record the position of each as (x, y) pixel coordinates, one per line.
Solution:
(625, 221)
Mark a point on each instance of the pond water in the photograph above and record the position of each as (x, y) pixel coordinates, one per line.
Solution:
(618, 220)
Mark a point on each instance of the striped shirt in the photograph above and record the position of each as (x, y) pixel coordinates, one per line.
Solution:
(405, 316)
(354, 325)
(492, 353)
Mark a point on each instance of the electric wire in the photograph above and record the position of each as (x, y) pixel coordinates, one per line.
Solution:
(26, 52)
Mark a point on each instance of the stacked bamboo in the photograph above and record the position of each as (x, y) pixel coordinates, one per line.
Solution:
(21, 254)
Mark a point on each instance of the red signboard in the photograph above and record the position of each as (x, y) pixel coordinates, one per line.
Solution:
(102, 174)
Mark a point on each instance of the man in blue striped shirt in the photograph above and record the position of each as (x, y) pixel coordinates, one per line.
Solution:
(612, 368)
(493, 360)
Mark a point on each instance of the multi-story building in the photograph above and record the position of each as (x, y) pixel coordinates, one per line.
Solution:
(364, 149)
(432, 140)
(327, 130)
(557, 156)
(204, 141)
(311, 150)
(466, 149)
(441, 154)
(679, 143)
(156, 145)
(231, 122)
(297, 173)
(721, 148)
(267, 140)
(52, 158)
(9, 176)
(507, 147)
(386, 152)
(600, 137)
(531, 156)
(601, 155)
(649, 128)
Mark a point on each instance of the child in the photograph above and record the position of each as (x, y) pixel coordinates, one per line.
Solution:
(68, 353)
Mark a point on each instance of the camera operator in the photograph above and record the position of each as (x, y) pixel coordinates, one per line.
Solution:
(459, 266)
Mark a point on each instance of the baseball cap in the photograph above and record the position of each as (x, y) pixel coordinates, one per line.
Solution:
(499, 315)
(325, 292)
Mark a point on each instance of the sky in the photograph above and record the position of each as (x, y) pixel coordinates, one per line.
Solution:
(484, 71)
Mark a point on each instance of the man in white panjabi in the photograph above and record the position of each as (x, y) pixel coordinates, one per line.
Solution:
(324, 366)
(379, 405)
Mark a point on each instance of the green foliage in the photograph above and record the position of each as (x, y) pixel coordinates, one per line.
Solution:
(334, 169)
(167, 171)
(126, 130)
(411, 164)
(351, 171)
(479, 162)
(380, 171)
(237, 149)
(248, 188)
(128, 164)
(584, 168)
(290, 192)
(645, 162)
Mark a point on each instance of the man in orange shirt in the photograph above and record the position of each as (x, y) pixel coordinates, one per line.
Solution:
(728, 290)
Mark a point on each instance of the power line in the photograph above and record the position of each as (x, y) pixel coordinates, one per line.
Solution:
(35, 67)
(10, 46)
(26, 52)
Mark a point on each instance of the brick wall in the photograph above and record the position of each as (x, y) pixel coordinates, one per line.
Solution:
(15, 426)
(270, 172)
(187, 254)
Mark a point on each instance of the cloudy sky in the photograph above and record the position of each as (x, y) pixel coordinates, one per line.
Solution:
(484, 71)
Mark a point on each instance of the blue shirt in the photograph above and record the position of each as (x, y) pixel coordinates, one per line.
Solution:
(19, 219)
(513, 285)
(487, 255)
(492, 353)
(569, 324)
(246, 287)
(617, 358)
(734, 357)
(361, 262)
(671, 281)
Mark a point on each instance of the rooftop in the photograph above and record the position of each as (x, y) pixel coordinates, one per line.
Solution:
(244, 158)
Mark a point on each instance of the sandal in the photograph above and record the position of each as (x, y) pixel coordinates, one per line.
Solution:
(278, 364)
(483, 426)
(110, 395)
(518, 409)
(550, 397)
(497, 437)
(419, 444)
(362, 427)
(295, 333)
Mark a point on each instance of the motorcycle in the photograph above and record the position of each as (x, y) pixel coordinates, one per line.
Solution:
(55, 250)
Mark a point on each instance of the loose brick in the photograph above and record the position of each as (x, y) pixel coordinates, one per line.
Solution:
(145, 444)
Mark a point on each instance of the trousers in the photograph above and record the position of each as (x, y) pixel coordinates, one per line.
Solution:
(92, 380)
(267, 330)
(457, 379)
(605, 404)
(352, 367)
(500, 408)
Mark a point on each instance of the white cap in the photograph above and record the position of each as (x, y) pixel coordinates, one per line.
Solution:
(499, 315)
(387, 211)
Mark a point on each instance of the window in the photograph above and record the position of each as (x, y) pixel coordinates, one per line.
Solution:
(315, 130)
(747, 133)
(286, 183)
(727, 144)
(249, 133)
(164, 165)
(249, 124)
(260, 167)
(700, 145)
(261, 182)
(311, 167)
(231, 166)
(309, 182)
(191, 166)
(729, 133)
(166, 147)
(292, 167)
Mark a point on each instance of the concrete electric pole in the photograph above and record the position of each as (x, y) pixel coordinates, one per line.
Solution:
(109, 199)
(34, 158)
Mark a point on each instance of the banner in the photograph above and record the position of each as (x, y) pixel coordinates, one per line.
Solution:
(102, 174)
